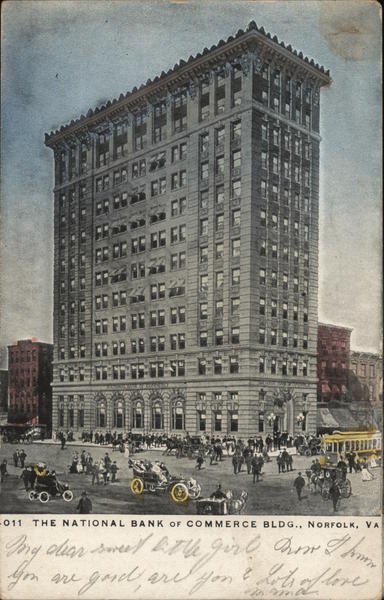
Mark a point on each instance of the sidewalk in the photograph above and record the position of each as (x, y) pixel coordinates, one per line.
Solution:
(76, 443)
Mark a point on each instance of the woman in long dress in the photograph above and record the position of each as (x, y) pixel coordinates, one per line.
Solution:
(373, 462)
(126, 450)
(366, 475)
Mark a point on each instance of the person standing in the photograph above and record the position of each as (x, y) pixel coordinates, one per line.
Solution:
(22, 457)
(235, 463)
(299, 484)
(16, 458)
(334, 492)
(95, 473)
(113, 469)
(255, 463)
(26, 477)
(3, 470)
(85, 505)
(280, 463)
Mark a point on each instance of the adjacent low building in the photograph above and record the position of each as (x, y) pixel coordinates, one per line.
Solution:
(366, 376)
(186, 219)
(333, 362)
(3, 396)
(30, 380)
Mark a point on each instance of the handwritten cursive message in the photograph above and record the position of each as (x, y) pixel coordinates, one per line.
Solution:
(187, 561)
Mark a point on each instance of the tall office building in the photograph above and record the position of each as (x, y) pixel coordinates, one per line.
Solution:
(186, 248)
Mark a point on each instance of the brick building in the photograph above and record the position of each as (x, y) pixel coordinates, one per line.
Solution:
(186, 248)
(333, 362)
(366, 376)
(3, 394)
(30, 378)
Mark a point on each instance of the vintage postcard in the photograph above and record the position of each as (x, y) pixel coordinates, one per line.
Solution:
(191, 348)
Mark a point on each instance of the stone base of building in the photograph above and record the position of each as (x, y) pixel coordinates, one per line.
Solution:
(222, 407)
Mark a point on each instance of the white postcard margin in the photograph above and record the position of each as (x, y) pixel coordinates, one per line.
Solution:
(110, 557)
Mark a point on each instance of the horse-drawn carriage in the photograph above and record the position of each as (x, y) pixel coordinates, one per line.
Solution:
(310, 448)
(155, 478)
(326, 477)
(339, 477)
(231, 504)
(46, 485)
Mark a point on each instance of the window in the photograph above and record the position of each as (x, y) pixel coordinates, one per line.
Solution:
(204, 171)
(236, 159)
(234, 364)
(236, 188)
(236, 218)
(261, 364)
(203, 283)
(219, 337)
(203, 226)
(273, 337)
(235, 335)
(203, 200)
(219, 253)
(235, 248)
(235, 276)
(219, 223)
(262, 276)
(217, 365)
(261, 335)
(235, 306)
(203, 311)
(178, 415)
(273, 366)
(219, 308)
(219, 279)
(203, 338)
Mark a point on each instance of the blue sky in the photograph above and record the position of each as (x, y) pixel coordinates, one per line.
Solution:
(60, 58)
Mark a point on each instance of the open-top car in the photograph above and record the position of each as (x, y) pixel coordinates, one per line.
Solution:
(46, 485)
(155, 478)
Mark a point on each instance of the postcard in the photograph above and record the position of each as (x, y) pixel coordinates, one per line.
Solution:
(191, 350)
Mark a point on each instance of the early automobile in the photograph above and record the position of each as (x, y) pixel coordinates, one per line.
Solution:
(47, 486)
(155, 478)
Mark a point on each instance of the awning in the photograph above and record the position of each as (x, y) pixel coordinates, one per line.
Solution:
(345, 419)
(336, 418)
(325, 419)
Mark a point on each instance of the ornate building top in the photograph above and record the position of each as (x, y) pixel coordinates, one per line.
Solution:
(250, 48)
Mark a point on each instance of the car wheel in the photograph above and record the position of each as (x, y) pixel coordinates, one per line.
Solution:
(32, 495)
(44, 497)
(179, 493)
(68, 495)
(195, 492)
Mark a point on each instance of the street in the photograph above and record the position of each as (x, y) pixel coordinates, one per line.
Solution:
(274, 494)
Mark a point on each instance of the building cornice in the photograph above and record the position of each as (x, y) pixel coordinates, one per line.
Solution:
(253, 41)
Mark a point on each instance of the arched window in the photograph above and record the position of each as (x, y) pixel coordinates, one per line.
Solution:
(178, 415)
(138, 415)
(118, 414)
(71, 416)
(80, 413)
(157, 415)
(61, 413)
(101, 415)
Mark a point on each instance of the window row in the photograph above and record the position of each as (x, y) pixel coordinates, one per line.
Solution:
(282, 338)
(283, 367)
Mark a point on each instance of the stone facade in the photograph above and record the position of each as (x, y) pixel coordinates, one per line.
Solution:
(186, 249)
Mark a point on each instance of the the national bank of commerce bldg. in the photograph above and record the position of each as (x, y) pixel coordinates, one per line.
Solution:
(186, 218)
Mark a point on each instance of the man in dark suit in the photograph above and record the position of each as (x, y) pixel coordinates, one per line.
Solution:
(299, 484)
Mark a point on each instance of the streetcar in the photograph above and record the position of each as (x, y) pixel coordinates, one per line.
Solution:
(363, 443)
